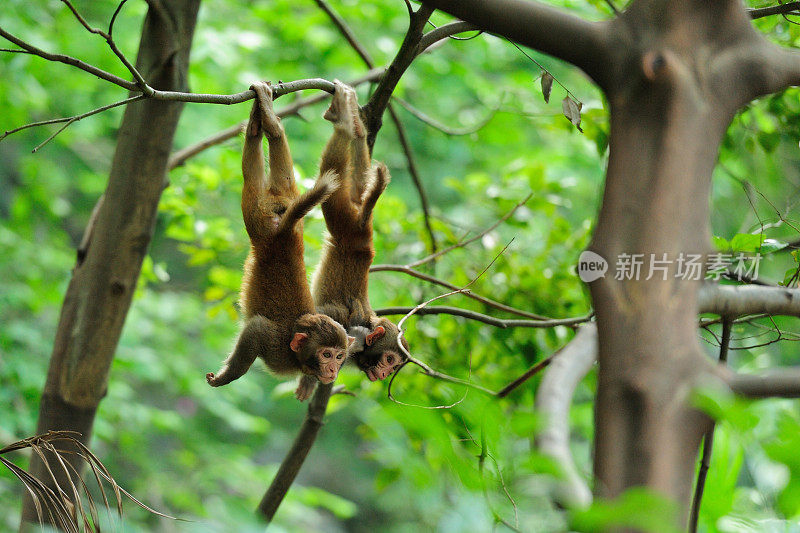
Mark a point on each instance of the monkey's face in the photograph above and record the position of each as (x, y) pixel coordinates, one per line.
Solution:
(387, 363)
(330, 361)
(381, 356)
(321, 346)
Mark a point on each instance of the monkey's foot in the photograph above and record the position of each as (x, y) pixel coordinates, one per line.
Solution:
(305, 388)
(343, 111)
(269, 120)
(211, 380)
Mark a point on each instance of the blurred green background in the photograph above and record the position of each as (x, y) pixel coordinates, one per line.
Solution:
(206, 454)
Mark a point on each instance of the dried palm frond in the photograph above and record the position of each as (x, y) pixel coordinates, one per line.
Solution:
(65, 505)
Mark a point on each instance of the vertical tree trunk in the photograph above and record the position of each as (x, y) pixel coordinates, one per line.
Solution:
(674, 73)
(670, 106)
(104, 278)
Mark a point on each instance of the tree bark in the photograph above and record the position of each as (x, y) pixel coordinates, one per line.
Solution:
(674, 73)
(104, 278)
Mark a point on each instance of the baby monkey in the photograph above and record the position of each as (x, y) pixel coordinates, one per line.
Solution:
(340, 283)
(281, 326)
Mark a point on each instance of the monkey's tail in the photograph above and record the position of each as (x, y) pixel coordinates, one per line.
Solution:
(376, 184)
(325, 185)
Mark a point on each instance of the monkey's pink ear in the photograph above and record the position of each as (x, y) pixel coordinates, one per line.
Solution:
(376, 334)
(298, 341)
(350, 340)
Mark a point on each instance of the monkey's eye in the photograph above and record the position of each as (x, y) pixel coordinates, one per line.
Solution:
(389, 359)
(339, 355)
(281, 209)
(326, 355)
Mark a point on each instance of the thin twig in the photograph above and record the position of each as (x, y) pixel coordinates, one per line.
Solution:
(76, 118)
(486, 319)
(432, 122)
(72, 61)
(708, 438)
(781, 9)
(403, 269)
(415, 177)
(465, 242)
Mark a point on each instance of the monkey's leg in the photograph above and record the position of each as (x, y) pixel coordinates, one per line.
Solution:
(255, 179)
(360, 152)
(251, 343)
(336, 155)
(305, 387)
(281, 167)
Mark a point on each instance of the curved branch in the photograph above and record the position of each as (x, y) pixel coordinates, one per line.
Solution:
(180, 157)
(69, 60)
(553, 401)
(447, 130)
(547, 29)
(442, 283)
(443, 32)
(486, 319)
(465, 242)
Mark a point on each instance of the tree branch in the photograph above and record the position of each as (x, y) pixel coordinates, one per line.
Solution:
(374, 108)
(738, 300)
(297, 453)
(348, 34)
(180, 157)
(430, 38)
(442, 283)
(781, 9)
(415, 177)
(443, 32)
(708, 438)
(486, 319)
(553, 401)
(553, 31)
(68, 60)
(447, 130)
(784, 383)
(465, 242)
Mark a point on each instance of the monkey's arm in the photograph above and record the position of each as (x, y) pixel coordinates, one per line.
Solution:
(253, 341)
(325, 185)
(305, 387)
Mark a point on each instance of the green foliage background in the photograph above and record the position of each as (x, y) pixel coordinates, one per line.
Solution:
(207, 454)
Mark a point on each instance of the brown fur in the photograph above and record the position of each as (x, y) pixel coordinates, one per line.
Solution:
(281, 325)
(340, 285)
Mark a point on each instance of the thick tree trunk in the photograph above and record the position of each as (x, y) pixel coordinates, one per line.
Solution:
(103, 281)
(674, 73)
(670, 106)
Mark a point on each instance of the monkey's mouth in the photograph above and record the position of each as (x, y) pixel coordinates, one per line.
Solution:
(372, 374)
(327, 380)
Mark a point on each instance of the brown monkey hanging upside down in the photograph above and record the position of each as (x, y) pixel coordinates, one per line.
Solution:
(281, 326)
(340, 283)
